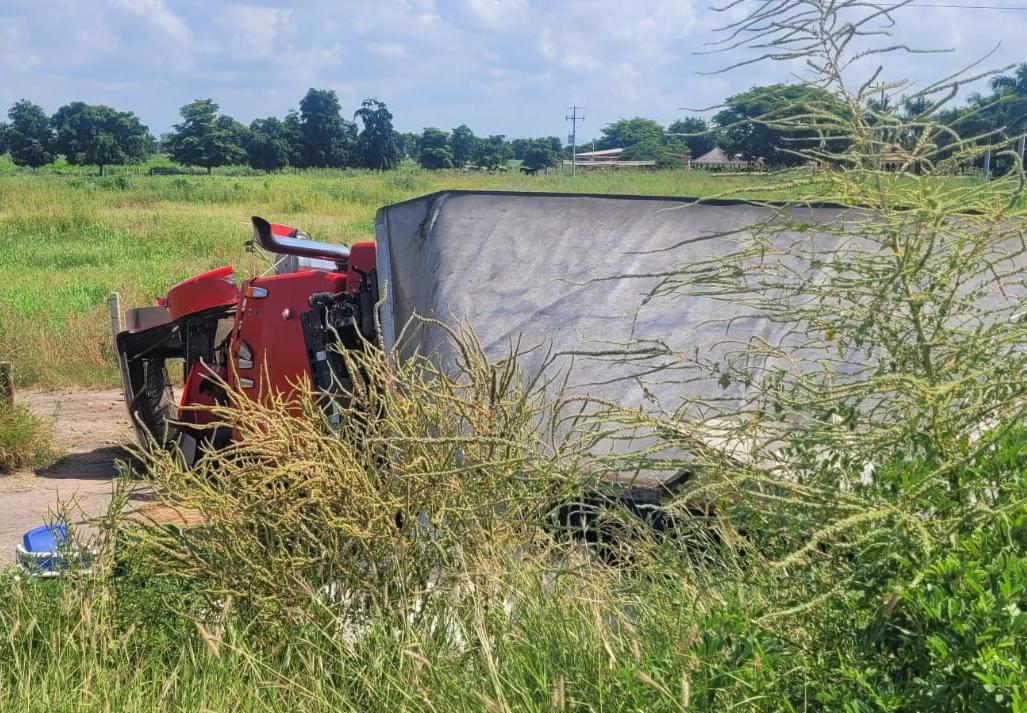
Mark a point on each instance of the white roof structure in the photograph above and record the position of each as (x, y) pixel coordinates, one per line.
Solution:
(605, 153)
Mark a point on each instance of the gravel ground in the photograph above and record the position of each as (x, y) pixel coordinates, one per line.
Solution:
(91, 428)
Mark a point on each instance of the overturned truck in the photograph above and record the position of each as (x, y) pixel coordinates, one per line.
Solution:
(564, 273)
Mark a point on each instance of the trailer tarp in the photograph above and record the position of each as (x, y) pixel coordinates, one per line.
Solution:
(568, 274)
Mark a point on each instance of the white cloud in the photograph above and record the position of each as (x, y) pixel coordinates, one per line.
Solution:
(19, 61)
(495, 14)
(256, 31)
(157, 14)
(387, 50)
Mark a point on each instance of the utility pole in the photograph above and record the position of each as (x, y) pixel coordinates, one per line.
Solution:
(986, 171)
(881, 131)
(574, 117)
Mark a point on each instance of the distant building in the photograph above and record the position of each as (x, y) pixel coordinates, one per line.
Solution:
(898, 160)
(606, 159)
(597, 156)
(716, 160)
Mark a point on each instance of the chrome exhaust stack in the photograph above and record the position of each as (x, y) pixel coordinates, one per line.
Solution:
(283, 245)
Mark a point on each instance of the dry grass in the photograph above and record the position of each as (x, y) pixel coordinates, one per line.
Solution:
(26, 440)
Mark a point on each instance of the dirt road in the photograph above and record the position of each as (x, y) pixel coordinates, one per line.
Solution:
(91, 427)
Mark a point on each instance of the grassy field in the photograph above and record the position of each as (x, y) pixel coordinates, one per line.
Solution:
(306, 585)
(68, 240)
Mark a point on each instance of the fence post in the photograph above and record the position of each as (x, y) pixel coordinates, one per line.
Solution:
(114, 305)
(6, 384)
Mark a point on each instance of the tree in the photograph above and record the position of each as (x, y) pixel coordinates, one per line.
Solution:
(61, 123)
(773, 122)
(519, 146)
(434, 159)
(627, 132)
(204, 138)
(650, 150)
(538, 155)
(432, 138)
(433, 149)
(377, 140)
(29, 136)
(99, 135)
(235, 130)
(1017, 83)
(1012, 94)
(407, 143)
(463, 144)
(698, 139)
(3, 138)
(493, 152)
(294, 136)
(329, 141)
(267, 145)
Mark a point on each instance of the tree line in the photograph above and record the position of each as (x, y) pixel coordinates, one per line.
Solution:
(764, 122)
(317, 135)
(779, 123)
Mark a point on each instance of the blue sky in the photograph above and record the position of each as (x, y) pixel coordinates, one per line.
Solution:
(501, 66)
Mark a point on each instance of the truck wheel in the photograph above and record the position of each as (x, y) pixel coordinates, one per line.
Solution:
(155, 402)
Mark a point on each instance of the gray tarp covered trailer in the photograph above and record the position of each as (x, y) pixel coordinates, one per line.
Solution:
(528, 268)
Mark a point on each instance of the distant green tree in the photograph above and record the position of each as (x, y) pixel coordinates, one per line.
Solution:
(377, 140)
(204, 138)
(29, 136)
(519, 146)
(433, 150)
(463, 144)
(99, 135)
(434, 159)
(407, 142)
(764, 121)
(61, 123)
(651, 150)
(1011, 92)
(294, 137)
(267, 145)
(627, 132)
(538, 155)
(329, 141)
(700, 141)
(493, 152)
(238, 132)
(3, 137)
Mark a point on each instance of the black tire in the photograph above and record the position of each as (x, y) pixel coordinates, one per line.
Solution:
(155, 402)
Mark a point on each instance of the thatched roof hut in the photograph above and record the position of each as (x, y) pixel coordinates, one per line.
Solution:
(716, 160)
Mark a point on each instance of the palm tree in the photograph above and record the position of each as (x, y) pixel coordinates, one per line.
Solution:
(1016, 84)
(1014, 89)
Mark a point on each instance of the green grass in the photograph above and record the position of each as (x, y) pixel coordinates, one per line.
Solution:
(26, 440)
(908, 594)
(68, 237)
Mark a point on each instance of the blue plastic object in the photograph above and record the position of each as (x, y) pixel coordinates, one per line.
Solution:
(45, 539)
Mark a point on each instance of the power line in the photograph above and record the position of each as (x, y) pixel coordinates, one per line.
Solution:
(959, 6)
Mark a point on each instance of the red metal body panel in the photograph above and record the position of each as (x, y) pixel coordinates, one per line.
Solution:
(211, 289)
(270, 326)
(361, 260)
(195, 395)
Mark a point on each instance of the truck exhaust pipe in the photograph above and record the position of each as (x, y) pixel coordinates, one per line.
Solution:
(284, 245)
